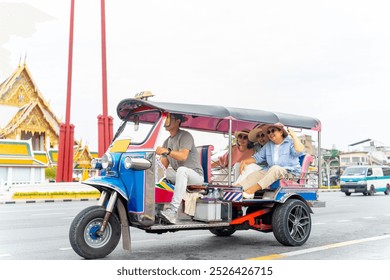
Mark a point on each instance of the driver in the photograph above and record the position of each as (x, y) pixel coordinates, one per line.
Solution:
(179, 152)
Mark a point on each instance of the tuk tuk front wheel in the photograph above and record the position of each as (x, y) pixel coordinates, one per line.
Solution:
(84, 235)
(291, 222)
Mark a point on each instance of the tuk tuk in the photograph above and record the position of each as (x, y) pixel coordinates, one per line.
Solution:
(133, 189)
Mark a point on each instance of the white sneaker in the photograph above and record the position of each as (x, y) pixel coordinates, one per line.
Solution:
(169, 215)
(247, 195)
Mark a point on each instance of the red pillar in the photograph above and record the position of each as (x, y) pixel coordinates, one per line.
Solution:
(105, 126)
(65, 150)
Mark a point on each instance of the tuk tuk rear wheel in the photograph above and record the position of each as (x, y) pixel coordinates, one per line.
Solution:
(84, 236)
(222, 231)
(291, 222)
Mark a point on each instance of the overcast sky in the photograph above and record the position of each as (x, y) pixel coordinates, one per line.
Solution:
(325, 59)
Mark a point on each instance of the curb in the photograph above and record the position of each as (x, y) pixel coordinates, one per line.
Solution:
(331, 190)
(47, 200)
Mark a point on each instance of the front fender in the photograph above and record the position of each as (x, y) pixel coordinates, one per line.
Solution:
(112, 183)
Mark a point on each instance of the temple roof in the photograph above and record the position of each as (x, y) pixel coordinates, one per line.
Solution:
(19, 153)
(21, 103)
(23, 114)
(6, 114)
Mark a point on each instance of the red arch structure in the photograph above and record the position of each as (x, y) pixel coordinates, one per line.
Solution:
(105, 123)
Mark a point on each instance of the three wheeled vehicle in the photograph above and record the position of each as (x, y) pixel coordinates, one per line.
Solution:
(134, 191)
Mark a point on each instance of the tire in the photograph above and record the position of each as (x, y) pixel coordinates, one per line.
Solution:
(387, 191)
(291, 222)
(82, 233)
(222, 231)
(347, 193)
(371, 191)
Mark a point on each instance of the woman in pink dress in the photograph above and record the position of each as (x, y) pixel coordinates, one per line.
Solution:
(241, 150)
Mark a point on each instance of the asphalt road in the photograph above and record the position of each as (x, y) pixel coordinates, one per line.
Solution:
(348, 228)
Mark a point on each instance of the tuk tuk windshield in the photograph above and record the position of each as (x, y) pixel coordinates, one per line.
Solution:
(138, 126)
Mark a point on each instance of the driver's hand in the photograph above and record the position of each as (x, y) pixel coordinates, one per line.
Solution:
(160, 150)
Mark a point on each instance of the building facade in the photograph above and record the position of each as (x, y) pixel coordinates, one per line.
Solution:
(29, 132)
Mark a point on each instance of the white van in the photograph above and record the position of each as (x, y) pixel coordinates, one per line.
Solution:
(365, 179)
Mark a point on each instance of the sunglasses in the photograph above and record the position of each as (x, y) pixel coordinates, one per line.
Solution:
(272, 130)
(260, 135)
(242, 137)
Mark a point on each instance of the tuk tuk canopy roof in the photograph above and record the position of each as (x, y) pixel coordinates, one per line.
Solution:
(216, 118)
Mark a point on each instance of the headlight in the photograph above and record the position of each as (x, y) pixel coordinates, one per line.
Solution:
(362, 182)
(342, 182)
(137, 163)
(96, 163)
(107, 161)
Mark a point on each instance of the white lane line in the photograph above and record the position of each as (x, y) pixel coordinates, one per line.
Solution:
(318, 224)
(321, 248)
(65, 249)
(368, 218)
(5, 255)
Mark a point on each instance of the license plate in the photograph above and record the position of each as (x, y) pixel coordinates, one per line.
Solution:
(351, 190)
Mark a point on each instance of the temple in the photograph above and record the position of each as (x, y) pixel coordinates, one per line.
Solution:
(29, 133)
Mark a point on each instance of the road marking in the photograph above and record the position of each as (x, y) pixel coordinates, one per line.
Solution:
(318, 224)
(368, 217)
(321, 248)
(65, 249)
(5, 255)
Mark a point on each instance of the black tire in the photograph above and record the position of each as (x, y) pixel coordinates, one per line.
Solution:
(222, 231)
(371, 191)
(347, 193)
(387, 191)
(82, 233)
(291, 222)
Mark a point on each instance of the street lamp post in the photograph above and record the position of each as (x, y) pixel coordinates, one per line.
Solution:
(327, 169)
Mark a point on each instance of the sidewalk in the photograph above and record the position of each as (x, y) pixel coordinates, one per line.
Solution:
(6, 196)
